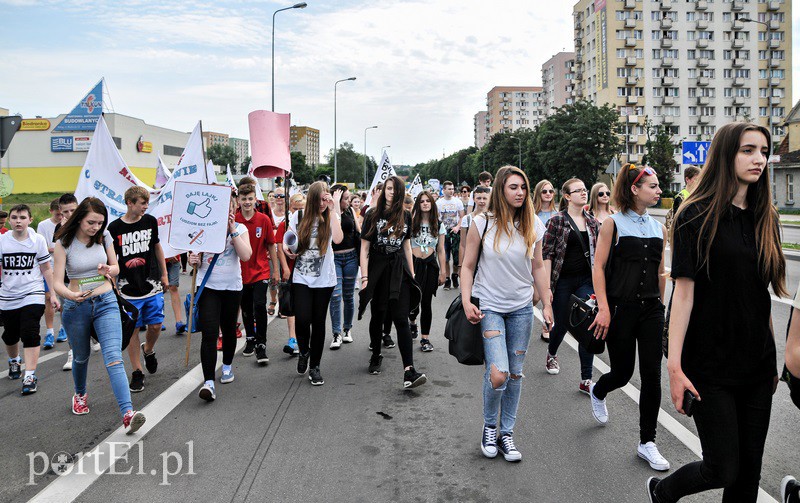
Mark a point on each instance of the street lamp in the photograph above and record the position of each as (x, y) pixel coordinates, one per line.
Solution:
(365, 154)
(301, 5)
(520, 149)
(335, 146)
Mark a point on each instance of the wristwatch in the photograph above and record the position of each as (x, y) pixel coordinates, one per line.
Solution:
(233, 234)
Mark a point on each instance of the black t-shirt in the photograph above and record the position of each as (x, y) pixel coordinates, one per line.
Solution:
(383, 239)
(575, 262)
(728, 341)
(135, 245)
(350, 238)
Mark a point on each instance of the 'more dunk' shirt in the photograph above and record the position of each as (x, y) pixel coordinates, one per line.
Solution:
(22, 277)
(135, 246)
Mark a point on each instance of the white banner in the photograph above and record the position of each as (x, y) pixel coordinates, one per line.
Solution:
(385, 170)
(416, 187)
(251, 173)
(162, 173)
(229, 178)
(199, 217)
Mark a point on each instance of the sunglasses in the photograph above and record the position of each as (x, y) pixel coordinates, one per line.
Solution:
(601, 194)
(279, 196)
(645, 171)
(548, 191)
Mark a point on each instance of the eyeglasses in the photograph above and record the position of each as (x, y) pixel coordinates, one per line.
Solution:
(465, 192)
(601, 194)
(279, 196)
(646, 170)
(580, 191)
(548, 191)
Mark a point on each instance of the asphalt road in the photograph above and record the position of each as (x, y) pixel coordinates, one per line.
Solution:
(271, 436)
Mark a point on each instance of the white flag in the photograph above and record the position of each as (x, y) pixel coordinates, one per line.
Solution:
(251, 173)
(162, 173)
(229, 178)
(416, 187)
(385, 170)
(105, 174)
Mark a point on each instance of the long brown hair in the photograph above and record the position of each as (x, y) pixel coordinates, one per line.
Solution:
(89, 205)
(312, 215)
(537, 197)
(394, 215)
(563, 204)
(594, 203)
(622, 194)
(506, 217)
(416, 215)
(714, 192)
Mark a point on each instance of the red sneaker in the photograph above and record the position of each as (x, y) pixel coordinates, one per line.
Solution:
(79, 406)
(132, 421)
(584, 386)
(238, 330)
(219, 343)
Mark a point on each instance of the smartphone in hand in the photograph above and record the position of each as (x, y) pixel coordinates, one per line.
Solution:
(689, 403)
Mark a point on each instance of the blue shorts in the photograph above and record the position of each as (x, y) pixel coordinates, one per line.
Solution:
(45, 286)
(151, 310)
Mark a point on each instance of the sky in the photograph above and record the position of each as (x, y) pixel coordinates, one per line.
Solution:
(423, 68)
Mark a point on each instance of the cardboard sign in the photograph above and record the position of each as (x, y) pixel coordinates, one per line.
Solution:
(199, 217)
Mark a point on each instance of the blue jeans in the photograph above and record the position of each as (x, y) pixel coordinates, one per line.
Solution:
(346, 270)
(101, 312)
(506, 352)
(582, 287)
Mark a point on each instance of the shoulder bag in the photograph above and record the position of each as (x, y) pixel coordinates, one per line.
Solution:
(582, 312)
(466, 341)
(187, 302)
(128, 314)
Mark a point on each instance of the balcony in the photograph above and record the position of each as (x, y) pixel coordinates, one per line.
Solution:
(666, 43)
(775, 120)
(631, 81)
(666, 23)
(702, 24)
(668, 100)
(633, 119)
(738, 100)
(579, 40)
(667, 81)
(740, 118)
(633, 158)
(630, 23)
(773, 5)
(774, 44)
(737, 25)
(702, 43)
(629, 4)
(703, 100)
(668, 119)
(632, 100)
(703, 119)
(774, 24)
(667, 62)
(738, 62)
(737, 43)
(633, 138)
(775, 100)
(701, 5)
(703, 81)
(630, 42)
(738, 81)
(737, 5)
(666, 4)
(630, 61)
(774, 81)
(702, 62)
(774, 63)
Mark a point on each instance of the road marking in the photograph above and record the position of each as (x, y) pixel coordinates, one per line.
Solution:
(48, 356)
(69, 487)
(678, 430)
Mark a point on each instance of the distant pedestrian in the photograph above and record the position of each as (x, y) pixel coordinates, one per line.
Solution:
(451, 211)
(510, 267)
(726, 253)
(480, 198)
(600, 202)
(345, 254)
(544, 201)
(47, 229)
(484, 180)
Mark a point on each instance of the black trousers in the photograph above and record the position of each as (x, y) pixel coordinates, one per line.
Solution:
(427, 276)
(219, 310)
(398, 311)
(631, 323)
(254, 309)
(311, 311)
(732, 423)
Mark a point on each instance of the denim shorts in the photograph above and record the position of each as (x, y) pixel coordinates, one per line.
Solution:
(151, 310)
(174, 273)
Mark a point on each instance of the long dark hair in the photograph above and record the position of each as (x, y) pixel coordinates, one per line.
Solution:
(716, 189)
(394, 215)
(506, 216)
(312, 215)
(622, 194)
(416, 215)
(89, 205)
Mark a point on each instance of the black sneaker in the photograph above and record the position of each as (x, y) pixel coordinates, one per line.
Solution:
(29, 385)
(414, 330)
(315, 377)
(150, 362)
(412, 378)
(455, 280)
(387, 341)
(137, 381)
(14, 369)
(302, 363)
(427, 347)
(261, 354)
(790, 490)
(447, 284)
(249, 347)
(375, 364)
(508, 449)
(652, 482)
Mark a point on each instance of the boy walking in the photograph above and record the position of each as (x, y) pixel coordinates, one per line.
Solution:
(451, 211)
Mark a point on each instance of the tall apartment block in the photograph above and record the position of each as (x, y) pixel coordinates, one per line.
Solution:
(557, 81)
(513, 107)
(480, 125)
(212, 138)
(305, 139)
(241, 147)
(689, 65)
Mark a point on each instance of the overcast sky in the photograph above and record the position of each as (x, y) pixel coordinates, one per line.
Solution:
(423, 68)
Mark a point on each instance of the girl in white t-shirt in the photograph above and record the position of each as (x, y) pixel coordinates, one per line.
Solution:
(510, 265)
(314, 276)
(219, 302)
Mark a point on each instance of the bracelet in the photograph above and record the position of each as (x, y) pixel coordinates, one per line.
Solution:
(233, 234)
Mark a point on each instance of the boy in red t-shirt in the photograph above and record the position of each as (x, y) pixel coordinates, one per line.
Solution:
(256, 273)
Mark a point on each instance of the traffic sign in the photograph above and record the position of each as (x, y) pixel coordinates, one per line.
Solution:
(695, 152)
(613, 167)
(8, 127)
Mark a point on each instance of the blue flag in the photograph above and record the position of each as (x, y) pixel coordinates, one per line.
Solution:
(85, 115)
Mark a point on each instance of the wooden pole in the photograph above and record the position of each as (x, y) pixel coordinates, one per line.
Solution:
(191, 314)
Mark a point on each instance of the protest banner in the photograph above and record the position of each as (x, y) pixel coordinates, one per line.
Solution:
(416, 187)
(229, 178)
(86, 114)
(269, 143)
(162, 173)
(251, 173)
(385, 170)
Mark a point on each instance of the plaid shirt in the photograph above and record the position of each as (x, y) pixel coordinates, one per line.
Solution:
(555, 242)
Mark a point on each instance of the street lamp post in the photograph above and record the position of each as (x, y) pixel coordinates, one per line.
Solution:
(335, 146)
(301, 5)
(365, 155)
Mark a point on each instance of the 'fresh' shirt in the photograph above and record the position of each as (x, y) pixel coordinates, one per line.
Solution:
(23, 283)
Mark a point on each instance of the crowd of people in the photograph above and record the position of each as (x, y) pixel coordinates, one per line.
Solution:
(506, 245)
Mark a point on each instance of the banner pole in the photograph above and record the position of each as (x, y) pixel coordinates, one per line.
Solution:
(203, 148)
(191, 314)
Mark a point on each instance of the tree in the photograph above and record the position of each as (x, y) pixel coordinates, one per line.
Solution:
(301, 172)
(579, 140)
(504, 149)
(222, 155)
(350, 165)
(660, 154)
(245, 165)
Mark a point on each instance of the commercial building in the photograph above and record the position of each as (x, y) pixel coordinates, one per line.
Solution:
(3, 112)
(557, 81)
(480, 125)
(41, 160)
(690, 65)
(510, 108)
(305, 140)
(242, 149)
(212, 138)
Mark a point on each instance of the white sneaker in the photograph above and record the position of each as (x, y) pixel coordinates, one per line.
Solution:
(599, 410)
(649, 452)
(95, 346)
(337, 341)
(347, 337)
(68, 365)
(207, 393)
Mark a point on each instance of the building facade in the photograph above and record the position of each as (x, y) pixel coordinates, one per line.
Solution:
(509, 108)
(242, 149)
(557, 80)
(212, 138)
(480, 124)
(690, 65)
(305, 140)
(3, 112)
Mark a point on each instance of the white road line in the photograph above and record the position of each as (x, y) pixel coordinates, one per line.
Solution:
(680, 432)
(47, 356)
(69, 487)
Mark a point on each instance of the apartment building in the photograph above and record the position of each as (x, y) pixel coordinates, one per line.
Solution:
(509, 108)
(557, 81)
(241, 147)
(305, 139)
(480, 125)
(688, 65)
(212, 138)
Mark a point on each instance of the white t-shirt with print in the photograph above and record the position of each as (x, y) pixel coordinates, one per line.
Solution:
(448, 211)
(426, 240)
(504, 283)
(311, 268)
(23, 283)
(227, 272)
(47, 230)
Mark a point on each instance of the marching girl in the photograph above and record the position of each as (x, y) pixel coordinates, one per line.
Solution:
(296, 203)
(544, 206)
(346, 261)
(600, 202)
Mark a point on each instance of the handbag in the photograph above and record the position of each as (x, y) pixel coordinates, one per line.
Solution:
(188, 302)
(128, 316)
(285, 304)
(466, 341)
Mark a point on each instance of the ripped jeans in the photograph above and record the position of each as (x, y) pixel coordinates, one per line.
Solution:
(505, 342)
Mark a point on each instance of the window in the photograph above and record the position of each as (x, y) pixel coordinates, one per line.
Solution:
(789, 187)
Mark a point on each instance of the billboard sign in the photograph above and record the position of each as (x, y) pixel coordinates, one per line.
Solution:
(61, 144)
(86, 113)
(35, 125)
